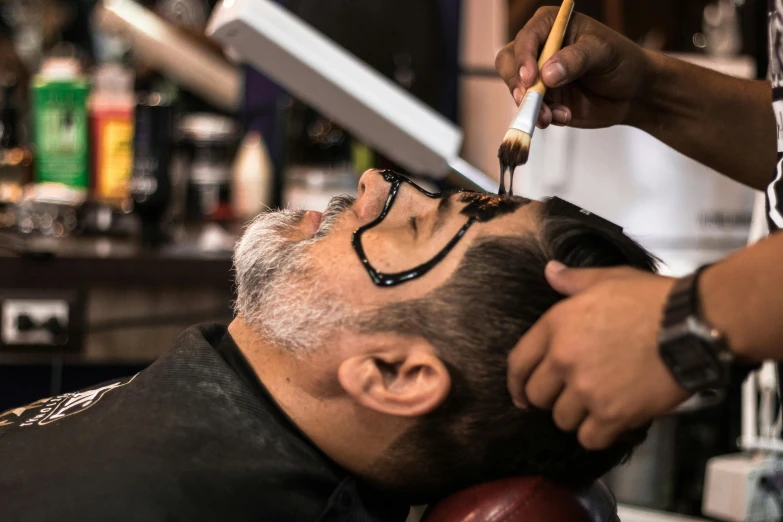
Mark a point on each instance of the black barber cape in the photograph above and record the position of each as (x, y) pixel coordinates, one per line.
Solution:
(194, 437)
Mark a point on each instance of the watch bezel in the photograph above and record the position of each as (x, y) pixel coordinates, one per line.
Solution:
(702, 342)
(691, 326)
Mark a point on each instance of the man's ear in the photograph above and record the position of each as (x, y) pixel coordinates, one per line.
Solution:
(405, 381)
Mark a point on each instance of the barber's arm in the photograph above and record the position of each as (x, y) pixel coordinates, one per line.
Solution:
(601, 78)
(595, 358)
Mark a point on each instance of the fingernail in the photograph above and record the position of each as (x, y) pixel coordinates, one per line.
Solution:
(555, 267)
(561, 117)
(522, 405)
(554, 74)
(544, 120)
(524, 73)
(517, 95)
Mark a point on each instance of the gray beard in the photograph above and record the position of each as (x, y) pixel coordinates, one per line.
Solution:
(279, 293)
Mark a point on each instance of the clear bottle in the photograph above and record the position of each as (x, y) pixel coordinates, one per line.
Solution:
(252, 178)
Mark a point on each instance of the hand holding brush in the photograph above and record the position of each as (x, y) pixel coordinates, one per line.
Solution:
(515, 149)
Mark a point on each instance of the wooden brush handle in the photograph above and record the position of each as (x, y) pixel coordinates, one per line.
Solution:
(554, 43)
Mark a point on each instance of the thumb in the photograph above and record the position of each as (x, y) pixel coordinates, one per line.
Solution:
(574, 61)
(570, 281)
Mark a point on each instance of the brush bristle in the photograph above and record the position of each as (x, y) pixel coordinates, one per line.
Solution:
(515, 149)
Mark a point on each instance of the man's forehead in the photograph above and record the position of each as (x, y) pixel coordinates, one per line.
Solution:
(485, 207)
(523, 220)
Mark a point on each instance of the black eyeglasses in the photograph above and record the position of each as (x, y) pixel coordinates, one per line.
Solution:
(479, 208)
(380, 278)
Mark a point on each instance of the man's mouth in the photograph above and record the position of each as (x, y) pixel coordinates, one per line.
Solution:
(313, 219)
(337, 206)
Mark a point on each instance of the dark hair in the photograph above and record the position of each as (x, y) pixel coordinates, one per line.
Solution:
(474, 320)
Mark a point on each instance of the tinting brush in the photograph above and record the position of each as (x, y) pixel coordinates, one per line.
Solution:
(515, 149)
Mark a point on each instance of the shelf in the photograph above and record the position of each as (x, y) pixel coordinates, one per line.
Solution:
(84, 263)
(26, 272)
(39, 358)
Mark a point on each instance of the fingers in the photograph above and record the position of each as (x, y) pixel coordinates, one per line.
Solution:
(585, 55)
(570, 281)
(553, 114)
(596, 435)
(561, 115)
(569, 411)
(505, 63)
(528, 44)
(519, 63)
(524, 358)
(544, 117)
(544, 386)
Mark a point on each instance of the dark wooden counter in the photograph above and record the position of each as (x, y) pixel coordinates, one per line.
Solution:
(82, 263)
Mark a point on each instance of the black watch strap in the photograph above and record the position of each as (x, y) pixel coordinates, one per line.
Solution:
(683, 299)
(683, 303)
(693, 351)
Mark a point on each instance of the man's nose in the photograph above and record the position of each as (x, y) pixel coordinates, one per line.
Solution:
(373, 190)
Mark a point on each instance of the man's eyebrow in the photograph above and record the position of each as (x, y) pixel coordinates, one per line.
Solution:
(442, 212)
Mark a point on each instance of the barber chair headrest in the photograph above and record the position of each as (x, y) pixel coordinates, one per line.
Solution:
(528, 499)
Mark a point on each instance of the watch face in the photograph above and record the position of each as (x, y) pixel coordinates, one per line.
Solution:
(692, 363)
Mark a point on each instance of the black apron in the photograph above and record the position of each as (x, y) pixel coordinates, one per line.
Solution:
(194, 437)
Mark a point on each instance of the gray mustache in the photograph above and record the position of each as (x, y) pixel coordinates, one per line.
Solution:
(337, 205)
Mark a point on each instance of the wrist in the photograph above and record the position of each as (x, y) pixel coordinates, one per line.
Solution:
(652, 105)
(718, 313)
(694, 351)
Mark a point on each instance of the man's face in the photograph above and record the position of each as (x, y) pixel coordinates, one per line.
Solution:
(308, 271)
(420, 366)
(306, 290)
(416, 229)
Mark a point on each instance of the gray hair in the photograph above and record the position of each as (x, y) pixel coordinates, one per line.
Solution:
(279, 293)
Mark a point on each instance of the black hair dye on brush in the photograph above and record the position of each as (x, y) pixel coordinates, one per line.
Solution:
(505, 167)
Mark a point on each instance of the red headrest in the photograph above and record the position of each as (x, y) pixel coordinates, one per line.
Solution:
(530, 499)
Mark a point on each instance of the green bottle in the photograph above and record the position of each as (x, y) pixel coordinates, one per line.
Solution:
(60, 122)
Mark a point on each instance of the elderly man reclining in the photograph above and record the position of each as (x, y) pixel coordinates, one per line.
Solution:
(365, 371)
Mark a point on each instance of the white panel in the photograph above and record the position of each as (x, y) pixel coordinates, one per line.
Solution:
(337, 84)
(165, 48)
(663, 198)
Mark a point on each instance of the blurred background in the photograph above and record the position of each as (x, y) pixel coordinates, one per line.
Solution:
(125, 180)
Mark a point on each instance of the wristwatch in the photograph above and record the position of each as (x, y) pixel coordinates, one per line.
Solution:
(696, 354)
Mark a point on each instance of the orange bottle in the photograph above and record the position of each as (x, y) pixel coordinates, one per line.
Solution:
(111, 108)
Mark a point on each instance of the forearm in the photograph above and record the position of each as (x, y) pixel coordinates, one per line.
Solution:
(742, 297)
(723, 122)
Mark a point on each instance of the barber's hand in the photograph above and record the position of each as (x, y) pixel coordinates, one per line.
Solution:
(596, 80)
(593, 358)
